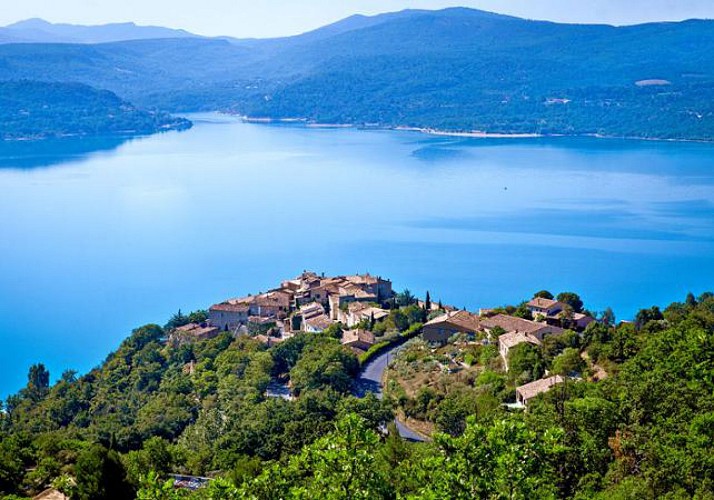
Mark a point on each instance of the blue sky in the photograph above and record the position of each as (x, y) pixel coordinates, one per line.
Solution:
(264, 18)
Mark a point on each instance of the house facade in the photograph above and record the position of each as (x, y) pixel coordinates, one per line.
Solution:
(228, 315)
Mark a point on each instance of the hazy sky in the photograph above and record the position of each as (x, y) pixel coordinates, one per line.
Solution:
(263, 18)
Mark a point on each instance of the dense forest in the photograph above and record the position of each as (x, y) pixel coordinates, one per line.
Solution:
(41, 110)
(456, 69)
(156, 407)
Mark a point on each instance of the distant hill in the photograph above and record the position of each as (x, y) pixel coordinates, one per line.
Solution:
(454, 69)
(41, 31)
(460, 69)
(40, 110)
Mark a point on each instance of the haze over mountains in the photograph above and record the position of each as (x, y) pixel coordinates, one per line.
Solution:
(454, 69)
(41, 31)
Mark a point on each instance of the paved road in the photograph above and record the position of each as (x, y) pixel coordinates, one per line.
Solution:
(370, 380)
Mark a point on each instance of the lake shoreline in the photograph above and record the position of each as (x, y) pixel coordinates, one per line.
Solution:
(121, 134)
(474, 134)
(133, 226)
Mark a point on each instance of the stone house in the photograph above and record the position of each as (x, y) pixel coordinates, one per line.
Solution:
(540, 306)
(228, 315)
(441, 328)
(358, 340)
(527, 392)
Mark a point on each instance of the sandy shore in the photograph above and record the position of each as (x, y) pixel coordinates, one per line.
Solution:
(477, 134)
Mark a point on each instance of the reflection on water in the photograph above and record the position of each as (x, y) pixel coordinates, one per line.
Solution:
(125, 233)
(50, 152)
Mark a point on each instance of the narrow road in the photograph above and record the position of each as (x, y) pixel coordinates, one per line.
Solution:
(370, 380)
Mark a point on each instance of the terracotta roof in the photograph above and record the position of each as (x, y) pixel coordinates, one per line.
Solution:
(460, 319)
(532, 389)
(272, 299)
(438, 319)
(512, 324)
(365, 279)
(197, 330)
(543, 303)
(512, 339)
(349, 289)
(355, 307)
(319, 322)
(377, 312)
(311, 310)
(230, 306)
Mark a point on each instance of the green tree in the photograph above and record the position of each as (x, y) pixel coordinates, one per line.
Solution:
(177, 320)
(644, 316)
(11, 466)
(405, 298)
(154, 488)
(608, 317)
(101, 475)
(324, 364)
(525, 362)
(38, 382)
(566, 317)
(69, 376)
(568, 362)
(624, 343)
(572, 299)
(338, 466)
(503, 460)
(691, 301)
(522, 311)
(543, 294)
(154, 456)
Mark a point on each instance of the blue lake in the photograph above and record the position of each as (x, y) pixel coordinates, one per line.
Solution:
(99, 236)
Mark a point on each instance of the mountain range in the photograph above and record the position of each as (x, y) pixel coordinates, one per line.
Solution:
(456, 69)
(41, 31)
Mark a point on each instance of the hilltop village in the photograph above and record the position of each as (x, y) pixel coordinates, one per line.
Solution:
(341, 380)
(355, 308)
(308, 303)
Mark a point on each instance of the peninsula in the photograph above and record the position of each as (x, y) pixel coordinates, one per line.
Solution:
(33, 110)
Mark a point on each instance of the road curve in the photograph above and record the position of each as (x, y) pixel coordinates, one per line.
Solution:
(370, 381)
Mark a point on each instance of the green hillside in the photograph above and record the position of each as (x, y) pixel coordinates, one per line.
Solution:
(40, 110)
(153, 407)
(456, 69)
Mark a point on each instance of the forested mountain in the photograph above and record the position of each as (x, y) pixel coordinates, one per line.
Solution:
(38, 110)
(455, 69)
(155, 407)
(41, 31)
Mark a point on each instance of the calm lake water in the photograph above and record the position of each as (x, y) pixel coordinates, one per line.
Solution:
(100, 236)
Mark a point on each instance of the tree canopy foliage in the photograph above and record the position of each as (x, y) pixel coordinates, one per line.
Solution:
(41, 110)
(644, 431)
